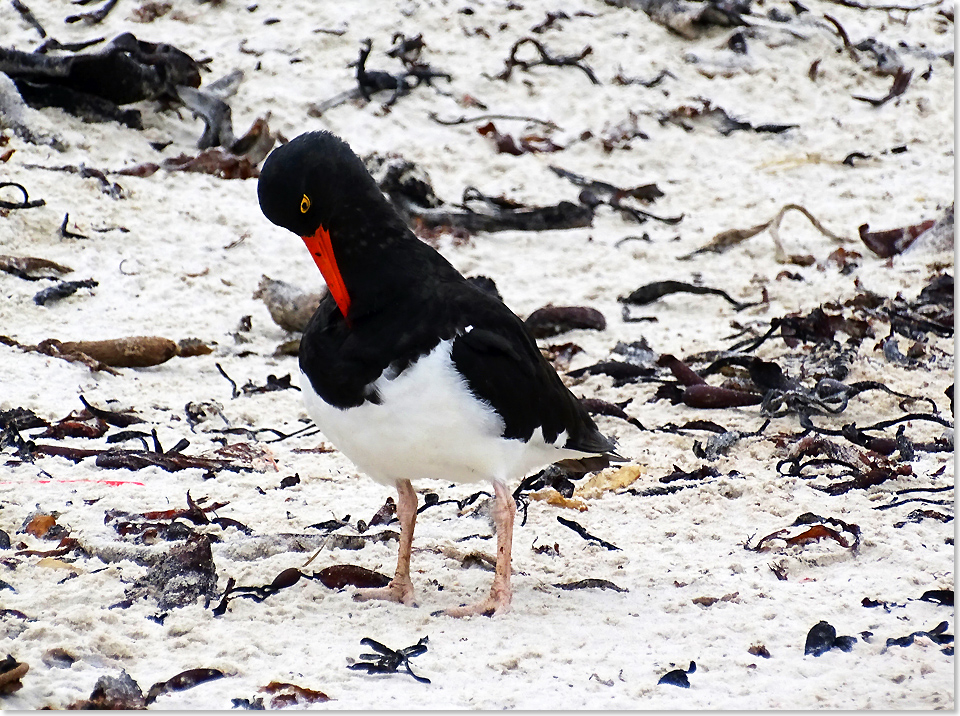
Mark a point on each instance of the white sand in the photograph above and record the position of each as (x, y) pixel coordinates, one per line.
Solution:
(172, 275)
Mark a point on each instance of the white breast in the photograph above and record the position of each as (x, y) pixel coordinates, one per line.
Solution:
(429, 425)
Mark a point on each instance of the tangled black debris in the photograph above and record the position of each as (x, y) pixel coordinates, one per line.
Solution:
(389, 661)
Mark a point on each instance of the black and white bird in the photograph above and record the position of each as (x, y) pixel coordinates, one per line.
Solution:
(406, 367)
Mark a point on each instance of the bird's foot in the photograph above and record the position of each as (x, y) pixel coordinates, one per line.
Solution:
(494, 604)
(397, 591)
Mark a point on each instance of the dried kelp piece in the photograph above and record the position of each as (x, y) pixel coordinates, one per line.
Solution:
(290, 695)
(115, 693)
(551, 320)
(590, 584)
(622, 372)
(26, 203)
(596, 192)
(290, 307)
(415, 73)
(92, 85)
(127, 352)
(719, 444)
(94, 17)
(712, 397)
(900, 83)
(214, 161)
(182, 681)
(581, 530)
(658, 289)
(696, 392)
(111, 189)
(62, 290)
(865, 468)
(563, 215)
(678, 677)
(732, 237)
(21, 419)
(918, 516)
(687, 117)
(409, 190)
(822, 637)
(938, 596)
(817, 529)
(388, 661)
(118, 419)
(339, 576)
(273, 384)
(526, 144)
(78, 424)
(29, 17)
(828, 395)
(938, 635)
(31, 268)
(892, 241)
(546, 58)
(689, 19)
(596, 406)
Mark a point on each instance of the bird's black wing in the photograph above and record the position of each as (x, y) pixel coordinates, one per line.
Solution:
(502, 365)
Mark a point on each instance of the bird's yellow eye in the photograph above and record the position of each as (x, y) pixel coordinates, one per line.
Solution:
(305, 204)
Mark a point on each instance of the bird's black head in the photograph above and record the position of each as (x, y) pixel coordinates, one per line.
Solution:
(306, 182)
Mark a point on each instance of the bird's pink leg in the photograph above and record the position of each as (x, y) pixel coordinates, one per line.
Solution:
(500, 593)
(400, 588)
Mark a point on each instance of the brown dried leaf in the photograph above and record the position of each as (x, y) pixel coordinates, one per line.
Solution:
(292, 695)
(40, 525)
(29, 266)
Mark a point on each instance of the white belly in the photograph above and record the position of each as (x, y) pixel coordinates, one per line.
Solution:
(429, 425)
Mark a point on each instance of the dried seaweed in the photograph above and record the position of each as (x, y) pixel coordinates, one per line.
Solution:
(893, 241)
(678, 677)
(552, 320)
(596, 406)
(546, 58)
(651, 292)
(28, 17)
(590, 584)
(62, 290)
(25, 203)
(938, 635)
(732, 237)
(526, 144)
(388, 661)
(409, 190)
(822, 637)
(94, 85)
(900, 83)
(581, 530)
(816, 529)
(415, 73)
(290, 695)
(717, 118)
(30, 268)
(595, 192)
(182, 681)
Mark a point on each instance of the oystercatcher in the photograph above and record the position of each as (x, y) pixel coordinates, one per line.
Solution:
(406, 367)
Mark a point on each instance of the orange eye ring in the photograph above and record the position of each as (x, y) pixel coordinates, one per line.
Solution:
(305, 204)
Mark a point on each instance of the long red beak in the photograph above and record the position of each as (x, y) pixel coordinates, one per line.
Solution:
(322, 252)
